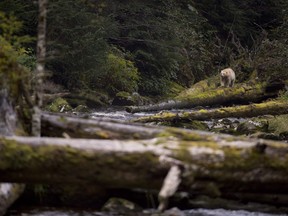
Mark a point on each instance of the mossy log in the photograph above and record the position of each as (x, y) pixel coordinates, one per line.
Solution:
(240, 94)
(98, 128)
(252, 110)
(214, 165)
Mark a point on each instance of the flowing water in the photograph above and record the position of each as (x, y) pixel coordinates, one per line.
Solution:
(118, 113)
(194, 212)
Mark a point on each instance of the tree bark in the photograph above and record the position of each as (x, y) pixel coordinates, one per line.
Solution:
(40, 68)
(100, 128)
(240, 94)
(228, 164)
(245, 111)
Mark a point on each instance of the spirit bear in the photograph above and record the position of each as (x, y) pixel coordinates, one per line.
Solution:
(227, 77)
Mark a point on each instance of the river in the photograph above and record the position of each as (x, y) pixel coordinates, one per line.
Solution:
(194, 212)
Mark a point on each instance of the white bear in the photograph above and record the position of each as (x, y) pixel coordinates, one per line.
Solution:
(227, 77)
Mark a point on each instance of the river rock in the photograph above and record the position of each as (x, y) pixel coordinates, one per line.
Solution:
(264, 135)
(284, 136)
(251, 126)
(59, 105)
(127, 99)
(120, 205)
(81, 108)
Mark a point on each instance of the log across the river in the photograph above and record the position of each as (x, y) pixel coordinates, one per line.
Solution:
(240, 94)
(97, 128)
(230, 164)
(244, 111)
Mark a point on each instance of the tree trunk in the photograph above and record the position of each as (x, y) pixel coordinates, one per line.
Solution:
(252, 110)
(40, 68)
(228, 164)
(100, 128)
(240, 94)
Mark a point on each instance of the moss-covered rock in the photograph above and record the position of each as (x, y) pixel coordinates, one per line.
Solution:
(251, 126)
(264, 135)
(120, 205)
(284, 136)
(198, 125)
(210, 83)
(225, 125)
(59, 105)
(127, 99)
(91, 99)
(278, 124)
(81, 108)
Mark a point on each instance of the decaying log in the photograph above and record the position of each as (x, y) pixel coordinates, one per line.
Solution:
(99, 128)
(240, 94)
(228, 164)
(252, 110)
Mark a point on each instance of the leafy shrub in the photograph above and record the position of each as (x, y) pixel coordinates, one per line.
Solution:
(11, 53)
(119, 75)
(76, 44)
(10, 26)
(271, 60)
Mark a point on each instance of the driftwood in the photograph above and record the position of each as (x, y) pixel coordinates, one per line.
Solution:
(252, 110)
(240, 94)
(228, 164)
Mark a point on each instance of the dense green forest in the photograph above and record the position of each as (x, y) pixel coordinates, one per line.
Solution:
(147, 46)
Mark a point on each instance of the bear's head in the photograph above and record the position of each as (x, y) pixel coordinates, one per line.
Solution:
(224, 73)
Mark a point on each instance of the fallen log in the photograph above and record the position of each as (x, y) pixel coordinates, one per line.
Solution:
(97, 128)
(240, 94)
(252, 110)
(228, 164)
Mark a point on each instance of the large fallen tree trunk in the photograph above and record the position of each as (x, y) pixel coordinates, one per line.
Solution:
(227, 164)
(240, 94)
(252, 110)
(100, 128)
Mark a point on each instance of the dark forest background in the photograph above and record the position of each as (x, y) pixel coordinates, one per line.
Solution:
(149, 46)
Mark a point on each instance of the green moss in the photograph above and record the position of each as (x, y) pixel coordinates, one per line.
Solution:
(81, 108)
(13, 155)
(278, 124)
(123, 94)
(59, 105)
(203, 111)
(197, 125)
